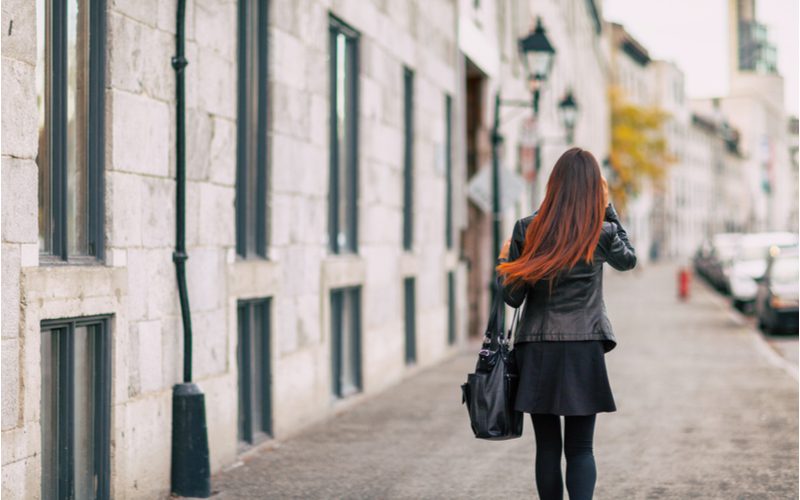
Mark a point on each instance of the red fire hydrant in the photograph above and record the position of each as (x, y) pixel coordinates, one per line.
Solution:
(684, 279)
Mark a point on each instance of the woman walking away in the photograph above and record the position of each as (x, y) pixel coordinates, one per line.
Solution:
(554, 263)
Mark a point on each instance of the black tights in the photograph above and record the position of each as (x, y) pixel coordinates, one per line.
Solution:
(581, 472)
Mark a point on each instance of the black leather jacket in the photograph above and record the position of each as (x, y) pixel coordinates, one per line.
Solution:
(575, 310)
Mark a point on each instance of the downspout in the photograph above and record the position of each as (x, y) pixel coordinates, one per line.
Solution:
(179, 63)
(191, 471)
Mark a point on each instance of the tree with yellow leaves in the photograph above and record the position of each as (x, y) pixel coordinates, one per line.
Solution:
(638, 147)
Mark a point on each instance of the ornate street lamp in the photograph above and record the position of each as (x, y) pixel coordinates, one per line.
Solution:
(568, 109)
(537, 57)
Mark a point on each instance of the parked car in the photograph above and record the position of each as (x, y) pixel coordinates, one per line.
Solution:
(723, 248)
(702, 259)
(749, 264)
(777, 296)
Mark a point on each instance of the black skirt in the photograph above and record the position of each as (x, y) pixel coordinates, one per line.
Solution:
(562, 378)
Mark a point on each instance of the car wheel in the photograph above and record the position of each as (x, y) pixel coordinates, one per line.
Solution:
(769, 327)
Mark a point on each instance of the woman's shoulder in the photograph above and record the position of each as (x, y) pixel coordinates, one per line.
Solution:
(523, 222)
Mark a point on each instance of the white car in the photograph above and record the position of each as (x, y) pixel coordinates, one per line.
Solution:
(723, 249)
(750, 263)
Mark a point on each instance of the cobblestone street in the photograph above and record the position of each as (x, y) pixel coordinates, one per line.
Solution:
(702, 413)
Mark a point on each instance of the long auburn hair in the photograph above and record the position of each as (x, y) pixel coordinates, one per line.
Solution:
(567, 227)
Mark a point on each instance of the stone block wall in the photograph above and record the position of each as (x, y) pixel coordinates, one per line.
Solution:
(136, 282)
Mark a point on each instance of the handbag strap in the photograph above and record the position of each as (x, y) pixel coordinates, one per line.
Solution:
(512, 332)
(494, 330)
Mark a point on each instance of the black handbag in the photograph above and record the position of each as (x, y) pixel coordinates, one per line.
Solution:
(489, 393)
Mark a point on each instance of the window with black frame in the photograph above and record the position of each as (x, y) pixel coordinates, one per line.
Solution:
(451, 307)
(253, 354)
(408, 159)
(343, 188)
(345, 341)
(409, 292)
(448, 171)
(70, 88)
(251, 156)
(75, 408)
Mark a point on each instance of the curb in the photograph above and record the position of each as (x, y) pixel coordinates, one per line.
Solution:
(767, 351)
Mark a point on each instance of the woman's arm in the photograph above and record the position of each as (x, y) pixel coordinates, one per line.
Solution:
(619, 251)
(514, 295)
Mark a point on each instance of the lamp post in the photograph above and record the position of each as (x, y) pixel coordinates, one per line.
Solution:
(568, 109)
(537, 58)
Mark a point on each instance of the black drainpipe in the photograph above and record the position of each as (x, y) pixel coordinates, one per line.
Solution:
(191, 473)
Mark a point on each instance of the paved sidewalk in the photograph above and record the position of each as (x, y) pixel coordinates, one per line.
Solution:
(701, 414)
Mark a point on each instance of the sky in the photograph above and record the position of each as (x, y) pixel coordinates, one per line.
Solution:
(694, 35)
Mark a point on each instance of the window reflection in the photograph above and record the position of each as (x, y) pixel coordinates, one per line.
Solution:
(62, 97)
(77, 125)
(42, 103)
(343, 192)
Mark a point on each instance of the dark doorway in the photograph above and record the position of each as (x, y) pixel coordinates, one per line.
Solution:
(475, 239)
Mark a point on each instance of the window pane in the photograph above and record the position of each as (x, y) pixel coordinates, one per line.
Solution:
(252, 131)
(351, 107)
(253, 86)
(75, 412)
(345, 341)
(244, 368)
(50, 385)
(410, 320)
(451, 307)
(255, 366)
(260, 187)
(77, 125)
(349, 339)
(448, 152)
(348, 345)
(43, 105)
(343, 128)
(84, 413)
(336, 342)
(341, 137)
(408, 160)
(253, 355)
(260, 387)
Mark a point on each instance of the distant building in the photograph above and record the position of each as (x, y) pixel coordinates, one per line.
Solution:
(755, 106)
(718, 143)
(630, 66)
(792, 140)
(749, 45)
(630, 71)
(703, 191)
(680, 216)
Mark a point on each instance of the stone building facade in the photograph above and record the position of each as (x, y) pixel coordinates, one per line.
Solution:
(793, 135)
(755, 106)
(631, 71)
(682, 214)
(333, 249)
(336, 315)
(488, 36)
(703, 191)
(582, 68)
